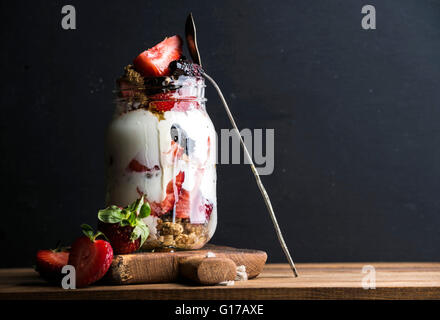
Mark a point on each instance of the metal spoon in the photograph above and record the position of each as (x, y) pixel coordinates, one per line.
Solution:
(190, 30)
(191, 39)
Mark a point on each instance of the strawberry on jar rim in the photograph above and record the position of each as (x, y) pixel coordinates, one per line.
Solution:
(155, 61)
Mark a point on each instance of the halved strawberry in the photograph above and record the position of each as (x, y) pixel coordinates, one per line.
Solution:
(50, 262)
(90, 257)
(155, 62)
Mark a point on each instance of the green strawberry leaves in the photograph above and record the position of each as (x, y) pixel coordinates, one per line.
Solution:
(132, 216)
(112, 214)
(128, 216)
(141, 230)
(132, 219)
(145, 211)
(88, 231)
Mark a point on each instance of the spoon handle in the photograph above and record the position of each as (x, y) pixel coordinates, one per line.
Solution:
(191, 39)
(257, 178)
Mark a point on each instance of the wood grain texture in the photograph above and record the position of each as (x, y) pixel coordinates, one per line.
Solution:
(207, 271)
(158, 267)
(316, 281)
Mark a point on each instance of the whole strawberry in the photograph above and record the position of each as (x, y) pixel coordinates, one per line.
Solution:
(50, 262)
(90, 257)
(124, 226)
(120, 237)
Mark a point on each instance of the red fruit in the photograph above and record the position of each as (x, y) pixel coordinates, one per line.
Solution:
(208, 209)
(167, 204)
(50, 262)
(155, 62)
(136, 166)
(125, 228)
(120, 237)
(163, 101)
(172, 95)
(162, 106)
(91, 259)
(173, 100)
(183, 206)
(179, 181)
(156, 208)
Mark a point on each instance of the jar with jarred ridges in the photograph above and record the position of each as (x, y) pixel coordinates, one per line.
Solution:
(161, 143)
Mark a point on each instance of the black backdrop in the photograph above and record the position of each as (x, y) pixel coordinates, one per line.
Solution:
(355, 113)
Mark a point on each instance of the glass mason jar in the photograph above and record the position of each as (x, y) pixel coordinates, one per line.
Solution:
(161, 143)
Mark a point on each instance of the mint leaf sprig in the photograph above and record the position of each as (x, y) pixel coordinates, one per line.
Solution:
(131, 215)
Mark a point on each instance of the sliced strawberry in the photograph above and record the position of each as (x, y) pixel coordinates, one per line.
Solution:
(155, 62)
(136, 166)
(162, 106)
(163, 102)
(183, 206)
(91, 259)
(50, 262)
(164, 96)
(156, 208)
(180, 177)
(176, 100)
(167, 204)
(175, 105)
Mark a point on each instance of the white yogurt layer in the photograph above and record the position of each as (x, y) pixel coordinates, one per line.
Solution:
(140, 135)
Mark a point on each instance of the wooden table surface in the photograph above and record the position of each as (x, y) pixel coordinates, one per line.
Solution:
(316, 281)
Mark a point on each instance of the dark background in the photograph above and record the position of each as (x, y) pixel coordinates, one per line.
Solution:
(356, 117)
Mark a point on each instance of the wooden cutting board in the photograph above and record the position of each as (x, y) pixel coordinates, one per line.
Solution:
(156, 267)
